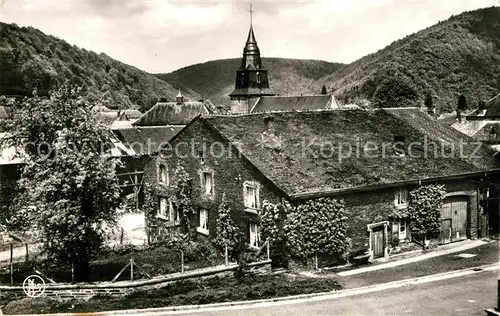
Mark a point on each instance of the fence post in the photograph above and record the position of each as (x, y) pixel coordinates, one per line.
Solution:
(131, 269)
(27, 258)
(72, 272)
(11, 265)
(227, 259)
(182, 261)
(268, 252)
(316, 260)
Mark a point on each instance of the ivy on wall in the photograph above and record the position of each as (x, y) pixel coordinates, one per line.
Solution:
(314, 227)
(424, 210)
(228, 234)
(317, 227)
(183, 199)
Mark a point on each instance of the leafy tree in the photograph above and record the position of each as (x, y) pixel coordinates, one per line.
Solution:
(317, 227)
(323, 90)
(228, 234)
(395, 91)
(68, 183)
(424, 210)
(462, 103)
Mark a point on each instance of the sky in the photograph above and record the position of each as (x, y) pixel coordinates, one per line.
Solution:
(161, 36)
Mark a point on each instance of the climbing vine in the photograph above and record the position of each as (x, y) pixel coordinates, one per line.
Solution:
(317, 227)
(183, 199)
(228, 234)
(424, 210)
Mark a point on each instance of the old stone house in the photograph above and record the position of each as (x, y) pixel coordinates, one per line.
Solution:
(345, 154)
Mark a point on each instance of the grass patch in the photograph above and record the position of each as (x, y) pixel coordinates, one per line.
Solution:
(155, 260)
(201, 291)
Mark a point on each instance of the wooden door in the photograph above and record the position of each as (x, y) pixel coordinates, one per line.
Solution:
(446, 231)
(459, 218)
(378, 242)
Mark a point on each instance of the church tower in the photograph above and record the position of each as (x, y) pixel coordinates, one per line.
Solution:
(251, 78)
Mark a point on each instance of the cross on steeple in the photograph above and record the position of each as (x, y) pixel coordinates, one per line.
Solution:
(251, 13)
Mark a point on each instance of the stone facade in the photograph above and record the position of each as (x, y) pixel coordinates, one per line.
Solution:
(201, 151)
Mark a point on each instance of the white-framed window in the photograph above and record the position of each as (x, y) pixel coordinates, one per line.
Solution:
(254, 234)
(207, 182)
(163, 211)
(258, 77)
(401, 197)
(403, 229)
(251, 195)
(162, 174)
(168, 211)
(203, 221)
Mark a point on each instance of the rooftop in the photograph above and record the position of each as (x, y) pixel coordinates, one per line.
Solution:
(172, 113)
(317, 151)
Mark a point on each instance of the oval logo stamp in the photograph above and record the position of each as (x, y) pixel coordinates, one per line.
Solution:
(34, 286)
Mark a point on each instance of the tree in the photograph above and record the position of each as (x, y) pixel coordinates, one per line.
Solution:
(272, 222)
(424, 210)
(68, 183)
(323, 90)
(462, 103)
(395, 91)
(228, 233)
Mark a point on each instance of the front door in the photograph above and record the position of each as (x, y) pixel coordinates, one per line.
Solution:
(454, 219)
(378, 241)
(446, 231)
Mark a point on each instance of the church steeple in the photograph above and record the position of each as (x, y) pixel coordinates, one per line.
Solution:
(251, 77)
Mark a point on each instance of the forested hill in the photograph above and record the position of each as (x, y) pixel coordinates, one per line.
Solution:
(215, 79)
(30, 59)
(458, 56)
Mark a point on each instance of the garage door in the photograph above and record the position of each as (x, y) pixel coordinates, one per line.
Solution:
(454, 219)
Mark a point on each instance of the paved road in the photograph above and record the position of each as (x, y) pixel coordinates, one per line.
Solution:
(462, 296)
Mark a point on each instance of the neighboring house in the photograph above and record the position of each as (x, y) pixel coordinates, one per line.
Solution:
(483, 124)
(295, 103)
(295, 156)
(180, 112)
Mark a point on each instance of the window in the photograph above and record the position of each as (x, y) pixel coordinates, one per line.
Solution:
(208, 183)
(258, 77)
(163, 208)
(168, 211)
(254, 234)
(251, 195)
(402, 229)
(162, 174)
(401, 197)
(203, 222)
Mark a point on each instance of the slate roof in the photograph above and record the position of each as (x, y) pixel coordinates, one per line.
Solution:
(138, 138)
(172, 113)
(295, 103)
(286, 147)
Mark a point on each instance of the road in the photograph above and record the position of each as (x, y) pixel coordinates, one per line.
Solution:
(462, 296)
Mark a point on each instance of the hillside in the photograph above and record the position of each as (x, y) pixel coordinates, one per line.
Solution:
(458, 56)
(30, 59)
(214, 80)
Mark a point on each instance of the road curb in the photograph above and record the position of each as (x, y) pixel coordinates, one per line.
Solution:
(294, 298)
